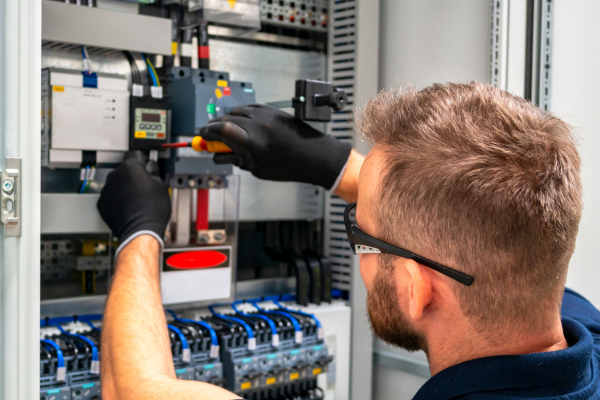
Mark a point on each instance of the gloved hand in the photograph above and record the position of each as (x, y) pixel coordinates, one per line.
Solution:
(133, 202)
(274, 145)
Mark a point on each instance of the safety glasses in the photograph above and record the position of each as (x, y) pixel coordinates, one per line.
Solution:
(361, 243)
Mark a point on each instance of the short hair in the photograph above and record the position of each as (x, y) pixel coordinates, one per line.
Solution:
(486, 183)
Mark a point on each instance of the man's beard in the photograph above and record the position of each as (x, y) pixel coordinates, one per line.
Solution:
(387, 320)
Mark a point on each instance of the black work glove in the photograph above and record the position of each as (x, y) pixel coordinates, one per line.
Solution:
(133, 202)
(274, 145)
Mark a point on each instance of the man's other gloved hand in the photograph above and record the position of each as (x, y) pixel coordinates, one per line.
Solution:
(133, 202)
(274, 145)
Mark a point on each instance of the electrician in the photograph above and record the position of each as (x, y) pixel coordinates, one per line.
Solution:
(468, 207)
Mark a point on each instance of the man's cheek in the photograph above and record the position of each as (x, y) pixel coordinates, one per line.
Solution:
(368, 269)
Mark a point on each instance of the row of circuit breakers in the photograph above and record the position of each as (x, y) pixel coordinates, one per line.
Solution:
(259, 349)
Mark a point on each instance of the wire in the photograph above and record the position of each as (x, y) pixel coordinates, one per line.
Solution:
(95, 366)
(294, 321)
(135, 72)
(85, 180)
(87, 61)
(214, 343)
(275, 335)
(151, 70)
(249, 332)
(61, 370)
(320, 333)
(186, 354)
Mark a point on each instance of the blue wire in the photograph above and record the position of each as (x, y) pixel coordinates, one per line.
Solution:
(211, 330)
(84, 182)
(59, 354)
(297, 326)
(184, 342)
(150, 70)
(88, 341)
(264, 318)
(239, 321)
(300, 312)
(88, 320)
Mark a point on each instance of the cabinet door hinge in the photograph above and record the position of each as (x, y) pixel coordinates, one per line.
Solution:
(10, 197)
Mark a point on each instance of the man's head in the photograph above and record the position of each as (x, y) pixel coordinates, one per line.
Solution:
(478, 180)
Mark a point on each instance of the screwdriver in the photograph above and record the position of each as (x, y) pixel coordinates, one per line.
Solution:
(200, 144)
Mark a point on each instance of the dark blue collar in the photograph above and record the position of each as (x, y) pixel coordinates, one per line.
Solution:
(540, 374)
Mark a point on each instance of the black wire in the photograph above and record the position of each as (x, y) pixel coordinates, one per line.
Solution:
(528, 95)
(135, 72)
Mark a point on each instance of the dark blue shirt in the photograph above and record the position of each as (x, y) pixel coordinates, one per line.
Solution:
(569, 374)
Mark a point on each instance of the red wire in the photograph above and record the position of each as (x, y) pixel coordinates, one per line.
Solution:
(175, 145)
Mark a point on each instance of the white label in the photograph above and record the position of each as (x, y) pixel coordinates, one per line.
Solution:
(92, 174)
(320, 333)
(61, 374)
(252, 344)
(82, 174)
(186, 355)
(214, 351)
(299, 337)
(276, 340)
(137, 90)
(95, 367)
(156, 92)
(360, 249)
(186, 49)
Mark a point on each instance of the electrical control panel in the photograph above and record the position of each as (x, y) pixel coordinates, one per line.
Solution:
(243, 265)
(81, 116)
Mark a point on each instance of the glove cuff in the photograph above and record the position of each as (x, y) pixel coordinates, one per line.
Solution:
(137, 234)
(333, 159)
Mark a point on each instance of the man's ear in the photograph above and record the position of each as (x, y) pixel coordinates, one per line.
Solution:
(419, 288)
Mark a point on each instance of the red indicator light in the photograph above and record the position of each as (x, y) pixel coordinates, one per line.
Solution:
(227, 91)
(292, 19)
(196, 259)
(303, 21)
(313, 22)
(280, 17)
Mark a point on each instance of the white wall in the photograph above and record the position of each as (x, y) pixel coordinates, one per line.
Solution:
(426, 41)
(575, 87)
(422, 42)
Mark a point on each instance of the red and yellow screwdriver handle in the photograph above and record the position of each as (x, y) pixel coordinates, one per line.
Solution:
(200, 144)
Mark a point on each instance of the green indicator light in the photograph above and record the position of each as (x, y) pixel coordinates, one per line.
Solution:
(210, 108)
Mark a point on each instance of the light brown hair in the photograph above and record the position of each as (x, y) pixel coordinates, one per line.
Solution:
(486, 183)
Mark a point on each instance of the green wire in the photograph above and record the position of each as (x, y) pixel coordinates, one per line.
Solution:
(153, 70)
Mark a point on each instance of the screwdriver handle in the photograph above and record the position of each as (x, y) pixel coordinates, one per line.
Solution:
(200, 144)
